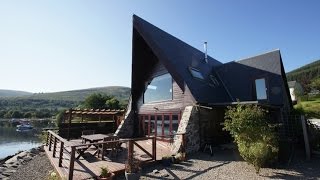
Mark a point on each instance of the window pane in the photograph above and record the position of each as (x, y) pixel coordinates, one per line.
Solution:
(261, 89)
(175, 124)
(196, 73)
(166, 125)
(159, 89)
(146, 125)
(152, 125)
(159, 125)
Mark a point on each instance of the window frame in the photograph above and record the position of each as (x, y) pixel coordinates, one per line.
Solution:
(266, 88)
(149, 82)
(196, 70)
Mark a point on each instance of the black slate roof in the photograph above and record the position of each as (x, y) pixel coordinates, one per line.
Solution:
(239, 77)
(177, 56)
(222, 83)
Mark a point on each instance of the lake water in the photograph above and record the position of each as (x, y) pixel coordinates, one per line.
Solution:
(12, 141)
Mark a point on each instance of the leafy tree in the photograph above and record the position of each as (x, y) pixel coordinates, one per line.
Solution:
(27, 115)
(95, 101)
(256, 139)
(112, 103)
(316, 83)
(99, 101)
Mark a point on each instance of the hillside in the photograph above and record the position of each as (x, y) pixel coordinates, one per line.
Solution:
(121, 93)
(43, 105)
(13, 93)
(305, 75)
(306, 72)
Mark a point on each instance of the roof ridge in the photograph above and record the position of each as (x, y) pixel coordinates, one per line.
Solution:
(261, 54)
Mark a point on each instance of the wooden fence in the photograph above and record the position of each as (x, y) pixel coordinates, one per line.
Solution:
(59, 145)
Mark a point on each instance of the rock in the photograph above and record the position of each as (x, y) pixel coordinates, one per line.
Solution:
(11, 160)
(34, 151)
(2, 176)
(27, 158)
(165, 175)
(156, 171)
(22, 154)
(8, 172)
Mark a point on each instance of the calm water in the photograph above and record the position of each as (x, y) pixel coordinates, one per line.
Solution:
(12, 141)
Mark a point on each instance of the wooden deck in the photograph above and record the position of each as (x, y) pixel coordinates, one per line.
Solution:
(88, 166)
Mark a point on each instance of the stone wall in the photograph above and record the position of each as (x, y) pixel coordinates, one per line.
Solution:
(189, 124)
(126, 128)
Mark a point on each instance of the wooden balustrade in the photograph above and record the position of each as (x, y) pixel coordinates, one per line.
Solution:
(64, 146)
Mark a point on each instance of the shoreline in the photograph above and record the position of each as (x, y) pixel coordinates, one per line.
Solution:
(11, 164)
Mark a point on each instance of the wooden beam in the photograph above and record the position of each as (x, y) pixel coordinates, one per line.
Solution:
(61, 153)
(71, 166)
(305, 136)
(130, 150)
(145, 151)
(154, 148)
(54, 147)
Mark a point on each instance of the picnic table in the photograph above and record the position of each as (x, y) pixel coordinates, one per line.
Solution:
(92, 138)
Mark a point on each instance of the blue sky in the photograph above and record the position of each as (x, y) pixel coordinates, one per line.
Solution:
(48, 46)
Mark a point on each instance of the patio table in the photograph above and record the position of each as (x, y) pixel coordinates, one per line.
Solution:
(92, 138)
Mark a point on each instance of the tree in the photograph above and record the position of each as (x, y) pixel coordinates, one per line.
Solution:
(95, 101)
(99, 101)
(112, 103)
(256, 139)
(316, 83)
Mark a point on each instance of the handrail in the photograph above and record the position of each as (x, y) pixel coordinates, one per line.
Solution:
(57, 136)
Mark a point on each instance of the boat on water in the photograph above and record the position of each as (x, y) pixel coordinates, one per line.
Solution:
(24, 127)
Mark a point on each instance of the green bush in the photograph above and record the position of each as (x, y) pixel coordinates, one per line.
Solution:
(256, 139)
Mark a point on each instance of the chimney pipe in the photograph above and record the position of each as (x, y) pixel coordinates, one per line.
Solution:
(205, 52)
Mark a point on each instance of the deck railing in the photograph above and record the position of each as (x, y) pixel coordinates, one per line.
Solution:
(55, 143)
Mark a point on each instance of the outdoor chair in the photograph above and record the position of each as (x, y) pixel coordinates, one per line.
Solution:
(108, 146)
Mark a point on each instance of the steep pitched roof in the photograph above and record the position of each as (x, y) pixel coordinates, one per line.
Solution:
(239, 77)
(178, 57)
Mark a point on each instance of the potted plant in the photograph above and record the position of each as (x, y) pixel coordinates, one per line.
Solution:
(166, 160)
(132, 169)
(105, 174)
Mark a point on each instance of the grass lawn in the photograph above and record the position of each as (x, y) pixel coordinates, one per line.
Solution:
(310, 107)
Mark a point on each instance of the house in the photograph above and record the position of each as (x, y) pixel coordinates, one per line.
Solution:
(177, 88)
(295, 89)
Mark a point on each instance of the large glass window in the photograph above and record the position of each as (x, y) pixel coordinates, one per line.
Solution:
(261, 89)
(160, 89)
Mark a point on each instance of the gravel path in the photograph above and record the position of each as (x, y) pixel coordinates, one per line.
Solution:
(227, 165)
(36, 169)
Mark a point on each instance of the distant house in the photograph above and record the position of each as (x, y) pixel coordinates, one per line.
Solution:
(176, 88)
(295, 89)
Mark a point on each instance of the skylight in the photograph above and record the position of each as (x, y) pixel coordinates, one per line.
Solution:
(196, 73)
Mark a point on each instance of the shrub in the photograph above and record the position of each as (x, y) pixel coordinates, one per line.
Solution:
(255, 138)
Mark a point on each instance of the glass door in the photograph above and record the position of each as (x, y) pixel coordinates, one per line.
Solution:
(159, 124)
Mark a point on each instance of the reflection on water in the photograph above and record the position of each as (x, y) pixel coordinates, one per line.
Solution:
(12, 141)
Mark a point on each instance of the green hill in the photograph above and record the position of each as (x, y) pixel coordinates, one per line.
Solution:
(309, 71)
(13, 93)
(121, 93)
(305, 74)
(42, 105)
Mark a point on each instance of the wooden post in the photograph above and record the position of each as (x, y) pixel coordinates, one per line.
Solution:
(50, 137)
(130, 150)
(154, 148)
(61, 153)
(305, 136)
(71, 166)
(54, 147)
(47, 139)
(70, 118)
